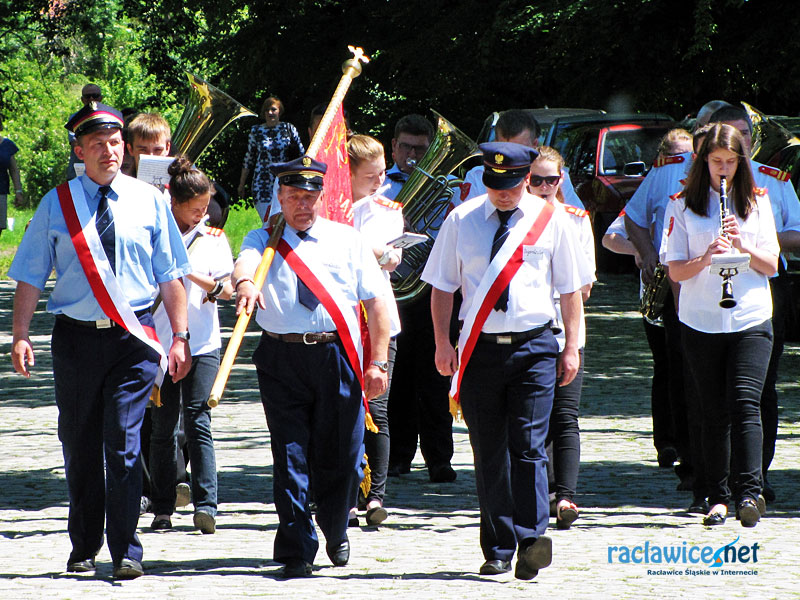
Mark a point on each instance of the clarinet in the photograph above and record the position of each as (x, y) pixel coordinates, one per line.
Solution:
(727, 301)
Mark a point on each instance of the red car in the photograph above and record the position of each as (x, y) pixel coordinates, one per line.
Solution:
(607, 157)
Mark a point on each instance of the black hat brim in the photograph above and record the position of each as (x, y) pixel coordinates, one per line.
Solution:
(313, 184)
(501, 183)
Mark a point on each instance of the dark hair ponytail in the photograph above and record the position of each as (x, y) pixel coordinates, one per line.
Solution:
(187, 181)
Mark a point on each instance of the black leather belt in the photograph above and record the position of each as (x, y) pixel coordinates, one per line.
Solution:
(514, 336)
(100, 323)
(308, 338)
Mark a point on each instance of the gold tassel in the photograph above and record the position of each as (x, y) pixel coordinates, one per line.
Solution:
(455, 410)
(370, 424)
(366, 483)
(155, 396)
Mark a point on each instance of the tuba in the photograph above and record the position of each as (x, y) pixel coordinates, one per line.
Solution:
(425, 197)
(654, 295)
(208, 111)
(774, 145)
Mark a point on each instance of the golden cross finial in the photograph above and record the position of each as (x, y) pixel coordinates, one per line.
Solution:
(358, 54)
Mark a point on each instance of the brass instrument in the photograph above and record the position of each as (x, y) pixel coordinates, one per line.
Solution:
(425, 197)
(655, 294)
(773, 144)
(727, 301)
(208, 111)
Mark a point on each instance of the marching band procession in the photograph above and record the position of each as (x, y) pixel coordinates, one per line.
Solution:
(353, 369)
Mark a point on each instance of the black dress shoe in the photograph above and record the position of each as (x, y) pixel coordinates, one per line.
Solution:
(442, 473)
(128, 569)
(80, 566)
(747, 512)
(161, 524)
(294, 568)
(495, 567)
(667, 457)
(699, 506)
(715, 517)
(340, 555)
(537, 555)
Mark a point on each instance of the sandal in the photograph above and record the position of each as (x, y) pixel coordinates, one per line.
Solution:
(566, 514)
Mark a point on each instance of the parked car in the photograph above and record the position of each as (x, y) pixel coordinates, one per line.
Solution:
(544, 116)
(607, 157)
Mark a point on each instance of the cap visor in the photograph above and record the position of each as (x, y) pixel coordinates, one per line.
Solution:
(501, 183)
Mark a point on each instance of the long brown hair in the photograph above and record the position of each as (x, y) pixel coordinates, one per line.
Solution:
(699, 179)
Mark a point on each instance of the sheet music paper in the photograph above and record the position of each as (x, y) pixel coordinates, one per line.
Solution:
(153, 169)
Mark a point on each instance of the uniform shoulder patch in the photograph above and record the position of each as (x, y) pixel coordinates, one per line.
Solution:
(388, 203)
(760, 191)
(667, 160)
(773, 172)
(574, 210)
(214, 231)
(676, 196)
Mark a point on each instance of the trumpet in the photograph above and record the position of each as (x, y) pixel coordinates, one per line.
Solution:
(727, 301)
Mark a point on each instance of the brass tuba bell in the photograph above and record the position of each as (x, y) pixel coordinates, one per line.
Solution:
(425, 197)
(208, 111)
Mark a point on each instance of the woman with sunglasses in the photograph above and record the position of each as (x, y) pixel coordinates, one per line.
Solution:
(563, 439)
(727, 350)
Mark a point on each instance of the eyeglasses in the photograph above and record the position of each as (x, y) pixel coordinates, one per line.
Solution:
(420, 150)
(536, 180)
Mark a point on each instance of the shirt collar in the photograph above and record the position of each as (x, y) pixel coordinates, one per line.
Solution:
(523, 206)
(93, 188)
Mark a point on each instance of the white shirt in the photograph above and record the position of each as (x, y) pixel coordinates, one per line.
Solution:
(460, 257)
(583, 231)
(380, 220)
(341, 250)
(689, 236)
(209, 255)
(650, 200)
(473, 187)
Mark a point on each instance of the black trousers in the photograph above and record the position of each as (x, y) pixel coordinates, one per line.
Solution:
(377, 444)
(728, 371)
(663, 426)
(563, 443)
(781, 308)
(419, 404)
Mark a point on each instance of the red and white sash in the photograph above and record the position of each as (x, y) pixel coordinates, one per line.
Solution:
(101, 277)
(497, 277)
(302, 260)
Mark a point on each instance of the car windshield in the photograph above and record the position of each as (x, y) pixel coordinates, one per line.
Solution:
(623, 146)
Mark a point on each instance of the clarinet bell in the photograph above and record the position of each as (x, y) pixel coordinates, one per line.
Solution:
(727, 301)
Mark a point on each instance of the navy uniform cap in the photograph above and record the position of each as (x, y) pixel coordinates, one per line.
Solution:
(94, 116)
(505, 164)
(304, 172)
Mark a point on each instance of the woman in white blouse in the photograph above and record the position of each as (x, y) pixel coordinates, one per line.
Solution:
(727, 349)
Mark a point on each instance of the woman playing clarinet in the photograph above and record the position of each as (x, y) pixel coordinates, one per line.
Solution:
(727, 349)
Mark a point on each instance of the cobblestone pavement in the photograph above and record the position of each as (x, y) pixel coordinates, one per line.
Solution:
(428, 548)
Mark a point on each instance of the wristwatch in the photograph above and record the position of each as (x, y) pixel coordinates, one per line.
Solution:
(383, 365)
(182, 335)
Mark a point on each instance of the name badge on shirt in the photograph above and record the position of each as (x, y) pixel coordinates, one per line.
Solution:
(533, 254)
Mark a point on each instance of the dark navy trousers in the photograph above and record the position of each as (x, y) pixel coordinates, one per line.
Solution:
(312, 401)
(103, 379)
(506, 396)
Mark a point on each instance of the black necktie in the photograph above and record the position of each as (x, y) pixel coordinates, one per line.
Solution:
(499, 237)
(104, 221)
(305, 295)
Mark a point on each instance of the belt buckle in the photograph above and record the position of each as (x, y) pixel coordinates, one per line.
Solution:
(503, 339)
(103, 324)
(305, 339)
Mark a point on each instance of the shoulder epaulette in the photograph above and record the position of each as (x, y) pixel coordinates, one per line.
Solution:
(621, 213)
(667, 160)
(773, 172)
(574, 210)
(676, 196)
(760, 191)
(388, 203)
(214, 231)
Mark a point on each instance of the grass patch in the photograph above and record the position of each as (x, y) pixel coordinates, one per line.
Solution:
(240, 221)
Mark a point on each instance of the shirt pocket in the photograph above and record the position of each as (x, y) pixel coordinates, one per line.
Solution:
(700, 232)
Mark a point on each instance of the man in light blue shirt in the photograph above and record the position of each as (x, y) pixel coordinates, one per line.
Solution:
(103, 373)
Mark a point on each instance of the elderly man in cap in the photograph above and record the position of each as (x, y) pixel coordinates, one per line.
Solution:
(507, 251)
(113, 243)
(308, 363)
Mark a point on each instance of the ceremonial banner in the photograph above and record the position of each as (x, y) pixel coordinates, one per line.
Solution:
(337, 194)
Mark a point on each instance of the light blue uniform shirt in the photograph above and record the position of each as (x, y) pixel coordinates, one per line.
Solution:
(342, 251)
(149, 249)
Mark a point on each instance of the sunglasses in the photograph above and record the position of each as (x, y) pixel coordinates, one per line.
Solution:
(536, 180)
(92, 96)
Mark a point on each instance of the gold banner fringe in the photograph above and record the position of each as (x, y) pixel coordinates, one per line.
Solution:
(366, 483)
(455, 410)
(155, 395)
(370, 424)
